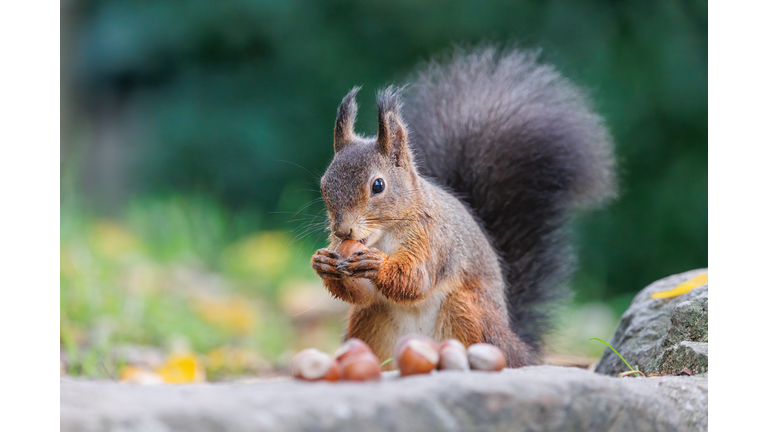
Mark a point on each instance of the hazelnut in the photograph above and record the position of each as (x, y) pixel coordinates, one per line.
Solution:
(360, 366)
(416, 354)
(400, 345)
(351, 346)
(313, 365)
(486, 357)
(349, 247)
(453, 356)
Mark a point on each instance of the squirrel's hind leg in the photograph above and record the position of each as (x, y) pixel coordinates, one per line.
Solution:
(472, 318)
(373, 325)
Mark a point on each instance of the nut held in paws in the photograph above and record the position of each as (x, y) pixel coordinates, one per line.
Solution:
(349, 247)
(313, 365)
(486, 357)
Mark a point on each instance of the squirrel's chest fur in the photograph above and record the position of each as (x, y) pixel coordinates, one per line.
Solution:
(420, 317)
(384, 321)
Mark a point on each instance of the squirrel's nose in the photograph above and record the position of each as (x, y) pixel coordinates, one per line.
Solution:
(343, 233)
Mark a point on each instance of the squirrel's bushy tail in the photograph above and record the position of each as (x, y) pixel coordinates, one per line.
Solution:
(522, 147)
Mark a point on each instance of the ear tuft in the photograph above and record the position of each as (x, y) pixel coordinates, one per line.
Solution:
(344, 131)
(393, 133)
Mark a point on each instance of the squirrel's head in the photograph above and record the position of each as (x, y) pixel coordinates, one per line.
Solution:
(371, 183)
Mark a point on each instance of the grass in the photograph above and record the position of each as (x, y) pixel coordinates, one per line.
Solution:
(617, 353)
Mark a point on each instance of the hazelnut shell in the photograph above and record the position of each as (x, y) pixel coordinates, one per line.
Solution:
(360, 367)
(417, 356)
(352, 346)
(313, 365)
(453, 356)
(400, 345)
(486, 357)
(349, 247)
(453, 343)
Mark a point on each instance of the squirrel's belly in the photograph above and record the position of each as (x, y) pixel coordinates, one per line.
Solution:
(385, 321)
(421, 318)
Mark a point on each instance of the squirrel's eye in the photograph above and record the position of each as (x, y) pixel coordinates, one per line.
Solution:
(378, 186)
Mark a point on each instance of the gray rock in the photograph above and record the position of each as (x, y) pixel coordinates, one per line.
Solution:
(662, 335)
(536, 398)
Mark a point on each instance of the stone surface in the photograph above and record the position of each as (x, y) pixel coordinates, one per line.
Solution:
(662, 335)
(536, 398)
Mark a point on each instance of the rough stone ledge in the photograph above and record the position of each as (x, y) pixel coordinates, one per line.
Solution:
(540, 398)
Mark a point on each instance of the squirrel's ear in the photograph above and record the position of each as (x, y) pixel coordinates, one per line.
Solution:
(344, 132)
(393, 135)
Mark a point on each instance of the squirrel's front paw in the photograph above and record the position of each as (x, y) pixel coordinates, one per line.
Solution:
(366, 264)
(329, 264)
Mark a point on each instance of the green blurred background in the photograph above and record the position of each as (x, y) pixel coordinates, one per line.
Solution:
(193, 135)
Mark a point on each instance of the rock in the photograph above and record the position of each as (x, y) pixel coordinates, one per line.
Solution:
(662, 335)
(686, 354)
(532, 398)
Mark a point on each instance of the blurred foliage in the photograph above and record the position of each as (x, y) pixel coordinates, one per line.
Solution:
(148, 281)
(201, 130)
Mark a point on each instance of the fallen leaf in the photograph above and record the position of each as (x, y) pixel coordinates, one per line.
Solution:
(685, 371)
(684, 287)
(181, 369)
(137, 375)
(654, 374)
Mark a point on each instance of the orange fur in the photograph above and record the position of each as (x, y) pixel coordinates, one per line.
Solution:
(372, 324)
(473, 318)
(355, 291)
(402, 277)
(461, 315)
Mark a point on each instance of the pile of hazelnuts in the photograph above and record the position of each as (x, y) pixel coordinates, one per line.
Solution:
(414, 354)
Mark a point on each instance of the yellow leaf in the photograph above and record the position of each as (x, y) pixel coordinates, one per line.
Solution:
(684, 287)
(181, 369)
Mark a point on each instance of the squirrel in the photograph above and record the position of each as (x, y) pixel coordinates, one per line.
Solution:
(463, 200)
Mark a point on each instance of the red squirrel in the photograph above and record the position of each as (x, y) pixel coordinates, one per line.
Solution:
(463, 201)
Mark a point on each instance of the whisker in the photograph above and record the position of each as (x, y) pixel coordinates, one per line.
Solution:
(302, 236)
(295, 164)
(320, 301)
(316, 200)
(304, 214)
